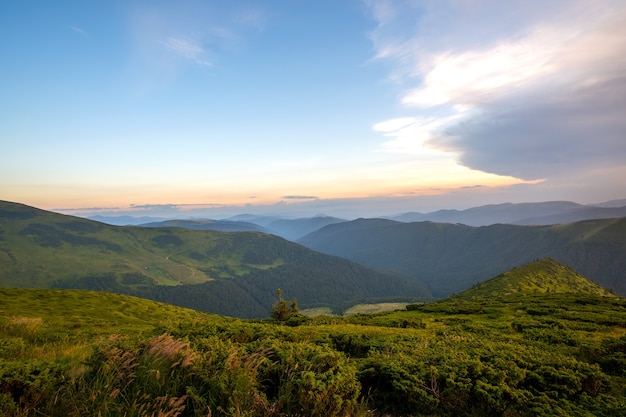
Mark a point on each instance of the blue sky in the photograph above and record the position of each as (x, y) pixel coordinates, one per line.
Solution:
(345, 107)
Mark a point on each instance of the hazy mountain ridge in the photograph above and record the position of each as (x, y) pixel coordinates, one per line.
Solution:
(209, 224)
(448, 258)
(205, 270)
(287, 228)
(580, 214)
(124, 220)
(540, 213)
(293, 228)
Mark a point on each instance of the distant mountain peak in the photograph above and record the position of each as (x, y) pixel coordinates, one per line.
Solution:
(542, 276)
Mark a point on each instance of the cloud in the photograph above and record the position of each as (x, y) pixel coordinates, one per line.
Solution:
(252, 17)
(78, 30)
(299, 197)
(477, 76)
(569, 131)
(187, 49)
(155, 206)
(163, 35)
(89, 209)
(521, 92)
(393, 125)
(410, 135)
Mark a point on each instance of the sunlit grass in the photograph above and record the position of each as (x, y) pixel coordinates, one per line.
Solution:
(374, 308)
(318, 311)
(90, 353)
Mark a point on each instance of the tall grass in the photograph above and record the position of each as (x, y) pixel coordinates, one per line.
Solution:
(124, 380)
(541, 354)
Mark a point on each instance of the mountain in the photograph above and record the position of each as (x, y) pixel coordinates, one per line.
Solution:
(253, 218)
(125, 220)
(542, 276)
(208, 224)
(294, 229)
(581, 213)
(492, 213)
(543, 213)
(229, 273)
(448, 258)
(290, 229)
(612, 203)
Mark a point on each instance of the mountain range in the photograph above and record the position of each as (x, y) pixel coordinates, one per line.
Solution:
(290, 229)
(231, 273)
(338, 265)
(542, 213)
(448, 258)
(538, 213)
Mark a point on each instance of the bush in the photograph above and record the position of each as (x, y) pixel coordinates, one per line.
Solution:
(29, 385)
(305, 379)
(148, 380)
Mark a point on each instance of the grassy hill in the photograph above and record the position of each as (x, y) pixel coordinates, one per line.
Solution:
(448, 258)
(542, 276)
(228, 273)
(73, 352)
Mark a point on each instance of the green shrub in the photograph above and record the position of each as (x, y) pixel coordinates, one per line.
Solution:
(29, 385)
(225, 380)
(149, 379)
(305, 379)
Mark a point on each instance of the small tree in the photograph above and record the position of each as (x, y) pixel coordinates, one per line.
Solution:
(283, 310)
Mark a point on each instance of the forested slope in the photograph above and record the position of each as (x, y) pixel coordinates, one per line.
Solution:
(448, 258)
(221, 272)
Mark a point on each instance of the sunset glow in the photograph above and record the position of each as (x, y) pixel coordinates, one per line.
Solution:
(358, 107)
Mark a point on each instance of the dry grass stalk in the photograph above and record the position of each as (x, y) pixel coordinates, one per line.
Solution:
(165, 347)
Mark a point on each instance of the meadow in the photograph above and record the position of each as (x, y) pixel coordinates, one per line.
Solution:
(75, 352)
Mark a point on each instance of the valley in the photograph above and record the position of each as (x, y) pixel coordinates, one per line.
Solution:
(175, 321)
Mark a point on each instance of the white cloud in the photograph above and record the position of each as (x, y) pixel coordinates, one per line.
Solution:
(476, 76)
(78, 30)
(393, 125)
(187, 49)
(409, 135)
(164, 35)
(522, 92)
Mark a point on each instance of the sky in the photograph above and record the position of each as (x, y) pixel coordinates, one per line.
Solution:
(343, 107)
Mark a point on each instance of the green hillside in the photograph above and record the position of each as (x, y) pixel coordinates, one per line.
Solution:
(74, 353)
(222, 272)
(448, 258)
(69, 315)
(542, 276)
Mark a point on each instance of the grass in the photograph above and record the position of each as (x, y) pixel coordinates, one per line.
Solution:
(68, 314)
(112, 355)
(374, 308)
(542, 276)
(161, 254)
(318, 311)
